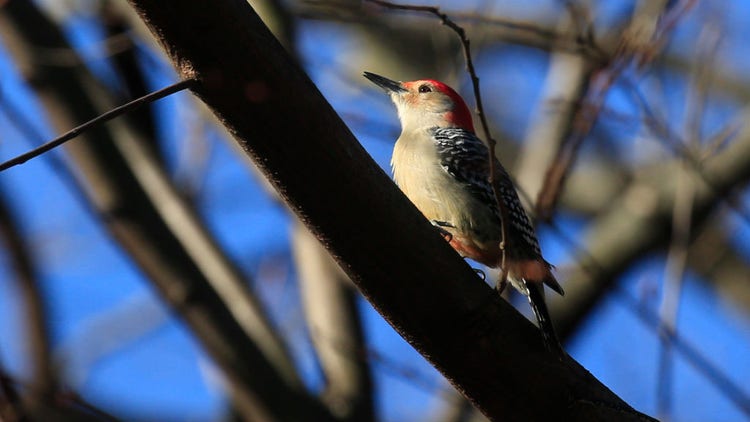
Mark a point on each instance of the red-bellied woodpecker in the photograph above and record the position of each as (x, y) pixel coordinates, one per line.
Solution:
(443, 168)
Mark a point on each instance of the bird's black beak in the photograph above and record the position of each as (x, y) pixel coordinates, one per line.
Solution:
(388, 85)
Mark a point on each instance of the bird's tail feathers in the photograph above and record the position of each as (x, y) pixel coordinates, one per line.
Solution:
(539, 307)
(530, 276)
(535, 271)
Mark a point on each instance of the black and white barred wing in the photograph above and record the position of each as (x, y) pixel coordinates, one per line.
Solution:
(465, 157)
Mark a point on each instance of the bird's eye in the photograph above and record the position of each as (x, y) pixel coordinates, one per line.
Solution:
(425, 88)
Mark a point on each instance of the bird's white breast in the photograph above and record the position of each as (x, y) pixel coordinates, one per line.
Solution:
(418, 172)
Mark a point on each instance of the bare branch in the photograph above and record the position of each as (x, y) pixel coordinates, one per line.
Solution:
(102, 118)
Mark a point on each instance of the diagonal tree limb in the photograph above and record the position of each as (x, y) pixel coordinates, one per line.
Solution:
(328, 297)
(482, 345)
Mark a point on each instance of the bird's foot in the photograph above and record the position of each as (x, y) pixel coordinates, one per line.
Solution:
(502, 282)
(439, 225)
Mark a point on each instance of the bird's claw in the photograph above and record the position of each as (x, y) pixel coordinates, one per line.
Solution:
(502, 282)
(445, 233)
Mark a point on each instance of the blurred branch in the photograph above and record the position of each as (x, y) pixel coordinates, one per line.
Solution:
(494, 27)
(715, 259)
(566, 82)
(672, 141)
(61, 406)
(276, 14)
(723, 81)
(11, 409)
(195, 277)
(672, 286)
(638, 38)
(482, 345)
(691, 354)
(639, 221)
(651, 320)
(676, 262)
(603, 78)
(43, 374)
(124, 59)
(594, 186)
(335, 328)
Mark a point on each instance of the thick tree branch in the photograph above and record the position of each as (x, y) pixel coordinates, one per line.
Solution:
(482, 345)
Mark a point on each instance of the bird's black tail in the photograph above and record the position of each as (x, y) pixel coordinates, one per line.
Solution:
(539, 307)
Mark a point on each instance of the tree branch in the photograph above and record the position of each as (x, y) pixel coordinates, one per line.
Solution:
(98, 120)
(480, 343)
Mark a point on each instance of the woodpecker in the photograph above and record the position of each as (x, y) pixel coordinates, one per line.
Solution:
(443, 168)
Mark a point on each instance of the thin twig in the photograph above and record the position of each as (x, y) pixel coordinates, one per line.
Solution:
(519, 32)
(115, 112)
(491, 143)
(33, 136)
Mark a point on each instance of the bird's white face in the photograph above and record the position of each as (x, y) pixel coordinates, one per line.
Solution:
(422, 105)
(425, 103)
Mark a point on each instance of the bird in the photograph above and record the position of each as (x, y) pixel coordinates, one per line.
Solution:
(443, 167)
